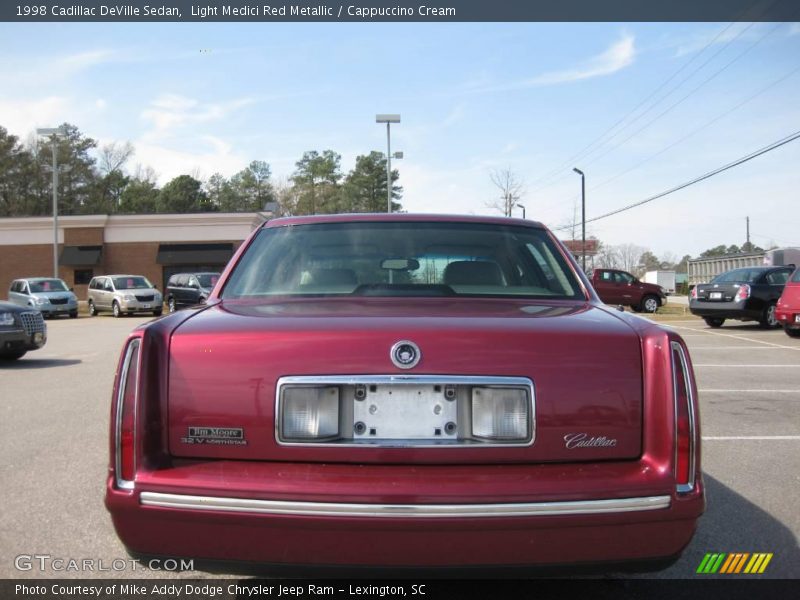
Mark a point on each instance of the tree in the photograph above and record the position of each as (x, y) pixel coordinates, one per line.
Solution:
(250, 189)
(183, 194)
(77, 176)
(364, 188)
(682, 266)
(606, 257)
(316, 180)
(139, 197)
(511, 190)
(648, 262)
(17, 196)
(629, 256)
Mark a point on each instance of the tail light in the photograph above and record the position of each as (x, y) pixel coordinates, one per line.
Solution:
(685, 426)
(694, 293)
(125, 424)
(743, 293)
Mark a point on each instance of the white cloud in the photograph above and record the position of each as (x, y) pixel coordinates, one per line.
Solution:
(616, 57)
(22, 117)
(209, 155)
(100, 104)
(794, 29)
(700, 40)
(170, 111)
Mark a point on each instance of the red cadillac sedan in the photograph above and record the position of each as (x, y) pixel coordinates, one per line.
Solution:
(405, 390)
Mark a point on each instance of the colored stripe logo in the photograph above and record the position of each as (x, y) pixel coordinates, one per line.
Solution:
(734, 563)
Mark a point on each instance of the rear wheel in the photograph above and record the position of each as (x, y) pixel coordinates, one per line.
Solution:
(715, 323)
(649, 304)
(13, 355)
(171, 304)
(792, 332)
(768, 319)
(92, 309)
(115, 309)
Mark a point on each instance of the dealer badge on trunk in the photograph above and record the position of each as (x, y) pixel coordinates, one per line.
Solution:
(405, 354)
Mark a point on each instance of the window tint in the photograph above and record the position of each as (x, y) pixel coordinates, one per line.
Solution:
(778, 277)
(439, 258)
(747, 275)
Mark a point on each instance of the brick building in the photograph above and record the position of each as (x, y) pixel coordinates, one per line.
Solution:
(155, 246)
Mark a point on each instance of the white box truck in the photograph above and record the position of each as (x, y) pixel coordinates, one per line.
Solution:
(666, 279)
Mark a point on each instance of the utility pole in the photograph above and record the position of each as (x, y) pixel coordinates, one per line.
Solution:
(749, 247)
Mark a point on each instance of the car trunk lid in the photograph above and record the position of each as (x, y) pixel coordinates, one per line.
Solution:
(585, 365)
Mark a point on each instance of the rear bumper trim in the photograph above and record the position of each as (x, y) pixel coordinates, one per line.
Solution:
(415, 511)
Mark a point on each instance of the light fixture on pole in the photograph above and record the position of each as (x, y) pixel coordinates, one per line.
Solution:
(53, 133)
(388, 119)
(523, 210)
(583, 217)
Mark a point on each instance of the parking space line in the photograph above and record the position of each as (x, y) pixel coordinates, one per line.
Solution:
(741, 337)
(712, 391)
(726, 438)
(694, 348)
(746, 366)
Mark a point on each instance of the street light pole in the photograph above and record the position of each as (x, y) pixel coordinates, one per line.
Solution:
(523, 210)
(53, 132)
(583, 218)
(388, 119)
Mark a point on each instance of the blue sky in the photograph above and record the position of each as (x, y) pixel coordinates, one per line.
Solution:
(208, 97)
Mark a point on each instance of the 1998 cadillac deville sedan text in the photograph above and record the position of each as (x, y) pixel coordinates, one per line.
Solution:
(405, 390)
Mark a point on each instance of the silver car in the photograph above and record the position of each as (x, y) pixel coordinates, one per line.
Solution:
(48, 295)
(124, 294)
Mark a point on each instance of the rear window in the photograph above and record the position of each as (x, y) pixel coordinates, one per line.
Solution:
(739, 276)
(403, 259)
(796, 276)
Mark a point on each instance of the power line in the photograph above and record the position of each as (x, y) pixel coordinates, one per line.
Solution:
(702, 84)
(736, 163)
(585, 151)
(698, 129)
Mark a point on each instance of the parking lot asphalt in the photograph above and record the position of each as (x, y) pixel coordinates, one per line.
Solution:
(54, 436)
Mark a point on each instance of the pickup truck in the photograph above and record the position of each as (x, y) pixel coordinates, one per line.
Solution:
(620, 287)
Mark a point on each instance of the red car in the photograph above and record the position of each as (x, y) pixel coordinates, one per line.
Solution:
(405, 390)
(787, 311)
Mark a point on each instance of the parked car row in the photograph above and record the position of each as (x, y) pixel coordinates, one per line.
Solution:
(118, 294)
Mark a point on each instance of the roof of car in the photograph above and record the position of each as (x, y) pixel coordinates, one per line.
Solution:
(37, 279)
(400, 217)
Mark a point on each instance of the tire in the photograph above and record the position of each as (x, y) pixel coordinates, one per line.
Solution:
(73, 314)
(92, 309)
(116, 310)
(13, 355)
(636, 308)
(714, 322)
(171, 305)
(649, 304)
(768, 319)
(157, 313)
(792, 332)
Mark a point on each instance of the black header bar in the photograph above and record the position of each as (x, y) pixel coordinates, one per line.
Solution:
(431, 11)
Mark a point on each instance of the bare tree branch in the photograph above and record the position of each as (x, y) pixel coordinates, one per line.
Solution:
(511, 190)
(113, 156)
